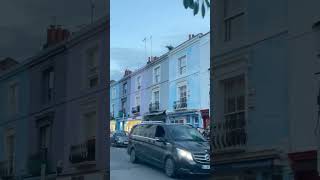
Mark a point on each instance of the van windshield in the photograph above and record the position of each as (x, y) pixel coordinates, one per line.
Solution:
(185, 133)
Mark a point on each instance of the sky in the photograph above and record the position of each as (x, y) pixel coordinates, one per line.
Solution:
(167, 21)
(24, 23)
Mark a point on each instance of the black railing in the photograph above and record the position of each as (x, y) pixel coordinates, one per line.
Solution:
(6, 169)
(83, 152)
(36, 160)
(136, 109)
(181, 104)
(154, 106)
(230, 134)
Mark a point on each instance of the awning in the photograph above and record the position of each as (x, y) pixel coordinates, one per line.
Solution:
(183, 113)
(155, 113)
(157, 116)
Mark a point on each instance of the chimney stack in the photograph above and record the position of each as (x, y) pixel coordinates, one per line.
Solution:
(56, 34)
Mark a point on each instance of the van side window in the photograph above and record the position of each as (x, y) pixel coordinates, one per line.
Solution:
(147, 131)
(134, 130)
(160, 132)
(139, 131)
(152, 131)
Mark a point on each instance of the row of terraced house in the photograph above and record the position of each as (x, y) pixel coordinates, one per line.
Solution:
(172, 88)
(53, 108)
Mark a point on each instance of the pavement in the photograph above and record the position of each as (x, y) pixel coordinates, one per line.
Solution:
(121, 169)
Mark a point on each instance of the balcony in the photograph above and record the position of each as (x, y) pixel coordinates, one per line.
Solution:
(181, 104)
(36, 160)
(84, 153)
(122, 113)
(153, 107)
(230, 135)
(135, 110)
(6, 169)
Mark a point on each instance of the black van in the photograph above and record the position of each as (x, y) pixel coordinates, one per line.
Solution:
(179, 149)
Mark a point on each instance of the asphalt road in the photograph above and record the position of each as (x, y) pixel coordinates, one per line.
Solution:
(122, 169)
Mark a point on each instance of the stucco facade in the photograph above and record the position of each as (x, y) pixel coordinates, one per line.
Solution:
(61, 101)
(272, 57)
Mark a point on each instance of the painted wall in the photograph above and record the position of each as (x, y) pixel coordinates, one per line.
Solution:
(18, 122)
(81, 99)
(116, 99)
(268, 76)
(162, 85)
(191, 77)
(38, 108)
(204, 60)
(133, 92)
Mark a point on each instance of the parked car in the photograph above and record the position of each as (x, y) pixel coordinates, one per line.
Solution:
(178, 149)
(119, 138)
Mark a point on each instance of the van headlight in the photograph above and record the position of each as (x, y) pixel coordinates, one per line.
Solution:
(184, 154)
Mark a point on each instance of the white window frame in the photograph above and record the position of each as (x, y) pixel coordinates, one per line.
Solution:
(138, 83)
(186, 65)
(92, 72)
(113, 109)
(13, 108)
(180, 84)
(227, 21)
(125, 85)
(154, 75)
(113, 93)
(152, 95)
(137, 103)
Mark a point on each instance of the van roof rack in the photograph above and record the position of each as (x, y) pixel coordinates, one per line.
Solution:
(152, 122)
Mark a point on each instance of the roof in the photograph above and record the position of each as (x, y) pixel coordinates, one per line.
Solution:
(43, 55)
(164, 56)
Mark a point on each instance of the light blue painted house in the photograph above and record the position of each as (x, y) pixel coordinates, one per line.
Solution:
(157, 93)
(189, 81)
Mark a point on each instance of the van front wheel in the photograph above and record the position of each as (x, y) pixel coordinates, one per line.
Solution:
(169, 168)
(133, 156)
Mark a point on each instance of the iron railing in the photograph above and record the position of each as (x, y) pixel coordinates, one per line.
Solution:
(83, 152)
(154, 106)
(181, 104)
(136, 109)
(36, 160)
(6, 168)
(229, 135)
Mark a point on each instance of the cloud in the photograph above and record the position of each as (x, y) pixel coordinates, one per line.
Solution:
(125, 58)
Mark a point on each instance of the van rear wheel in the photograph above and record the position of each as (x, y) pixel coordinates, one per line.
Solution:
(170, 168)
(133, 156)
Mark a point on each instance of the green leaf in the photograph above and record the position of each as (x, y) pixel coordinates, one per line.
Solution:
(191, 4)
(203, 10)
(208, 3)
(186, 3)
(196, 8)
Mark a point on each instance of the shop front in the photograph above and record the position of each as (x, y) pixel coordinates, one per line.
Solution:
(304, 165)
(186, 117)
(112, 125)
(206, 118)
(120, 125)
(130, 123)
